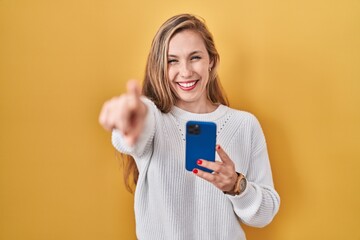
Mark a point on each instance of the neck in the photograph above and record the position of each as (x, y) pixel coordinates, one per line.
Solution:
(195, 107)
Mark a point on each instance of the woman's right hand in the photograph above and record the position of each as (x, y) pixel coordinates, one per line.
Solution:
(125, 113)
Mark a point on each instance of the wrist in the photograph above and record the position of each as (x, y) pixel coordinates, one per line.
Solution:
(239, 187)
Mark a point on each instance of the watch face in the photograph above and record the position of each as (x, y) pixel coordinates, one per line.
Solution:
(242, 184)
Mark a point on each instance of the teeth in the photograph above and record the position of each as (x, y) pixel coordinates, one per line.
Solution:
(187, 85)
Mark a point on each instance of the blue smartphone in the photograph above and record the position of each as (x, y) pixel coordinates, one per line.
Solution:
(200, 144)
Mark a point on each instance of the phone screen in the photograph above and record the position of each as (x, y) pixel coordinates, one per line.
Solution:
(200, 143)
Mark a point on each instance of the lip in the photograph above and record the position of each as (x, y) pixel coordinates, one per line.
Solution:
(188, 85)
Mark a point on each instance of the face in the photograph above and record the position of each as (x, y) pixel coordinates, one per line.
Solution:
(188, 69)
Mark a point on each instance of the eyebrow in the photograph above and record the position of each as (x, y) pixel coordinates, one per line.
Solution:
(192, 53)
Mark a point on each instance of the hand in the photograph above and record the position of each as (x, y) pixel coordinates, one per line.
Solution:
(125, 113)
(223, 176)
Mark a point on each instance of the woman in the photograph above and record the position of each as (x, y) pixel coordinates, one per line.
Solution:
(181, 84)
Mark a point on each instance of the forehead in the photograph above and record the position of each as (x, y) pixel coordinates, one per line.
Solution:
(186, 41)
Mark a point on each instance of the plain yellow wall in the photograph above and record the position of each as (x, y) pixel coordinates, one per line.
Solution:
(294, 64)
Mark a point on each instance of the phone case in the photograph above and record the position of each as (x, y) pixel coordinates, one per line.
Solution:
(200, 143)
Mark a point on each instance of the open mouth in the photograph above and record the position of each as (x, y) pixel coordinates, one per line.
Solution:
(187, 86)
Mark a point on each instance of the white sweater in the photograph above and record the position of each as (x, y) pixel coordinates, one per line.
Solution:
(172, 203)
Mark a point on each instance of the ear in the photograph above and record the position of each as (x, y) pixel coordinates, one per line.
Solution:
(211, 64)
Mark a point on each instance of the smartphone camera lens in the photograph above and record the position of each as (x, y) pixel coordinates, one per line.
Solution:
(194, 129)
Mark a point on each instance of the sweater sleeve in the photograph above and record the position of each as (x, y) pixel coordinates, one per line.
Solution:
(260, 202)
(144, 141)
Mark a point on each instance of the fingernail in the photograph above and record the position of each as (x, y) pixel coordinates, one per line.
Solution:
(195, 171)
(199, 162)
(217, 147)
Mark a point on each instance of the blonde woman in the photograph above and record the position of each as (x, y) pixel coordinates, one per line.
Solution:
(148, 126)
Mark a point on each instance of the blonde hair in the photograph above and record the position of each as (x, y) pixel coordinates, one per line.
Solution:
(156, 85)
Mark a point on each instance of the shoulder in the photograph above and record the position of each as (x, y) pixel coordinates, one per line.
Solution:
(150, 104)
(155, 113)
(152, 108)
(249, 125)
(243, 117)
(245, 122)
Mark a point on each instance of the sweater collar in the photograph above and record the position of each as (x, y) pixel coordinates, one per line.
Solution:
(212, 116)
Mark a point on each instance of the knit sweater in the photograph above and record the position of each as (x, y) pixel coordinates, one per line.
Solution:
(174, 204)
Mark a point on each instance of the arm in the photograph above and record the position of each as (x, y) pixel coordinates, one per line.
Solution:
(129, 118)
(258, 203)
(144, 139)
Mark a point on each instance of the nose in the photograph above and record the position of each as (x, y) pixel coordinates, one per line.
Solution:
(186, 70)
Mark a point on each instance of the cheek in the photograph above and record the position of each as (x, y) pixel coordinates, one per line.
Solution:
(203, 71)
(171, 73)
(202, 68)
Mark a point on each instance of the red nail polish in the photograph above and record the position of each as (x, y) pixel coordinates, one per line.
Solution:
(217, 147)
(195, 171)
(199, 162)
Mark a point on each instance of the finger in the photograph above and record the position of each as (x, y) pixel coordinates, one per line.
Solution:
(133, 88)
(133, 122)
(205, 175)
(137, 121)
(104, 117)
(215, 166)
(225, 170)
(220, 181)
(133, 95)
(132, 115)
(121, 112)
(133, 135)
(223, 155)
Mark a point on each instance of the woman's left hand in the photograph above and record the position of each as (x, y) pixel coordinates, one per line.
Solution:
(223, 176)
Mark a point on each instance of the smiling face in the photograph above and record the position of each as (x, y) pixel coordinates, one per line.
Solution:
(188, 71)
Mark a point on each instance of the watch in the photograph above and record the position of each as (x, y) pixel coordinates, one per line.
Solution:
(240, 185)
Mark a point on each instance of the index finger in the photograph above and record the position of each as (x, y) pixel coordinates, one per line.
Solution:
(133, 88)
(223, 155)
(133, 93)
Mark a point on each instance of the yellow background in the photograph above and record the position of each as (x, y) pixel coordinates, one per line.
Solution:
(294, 64)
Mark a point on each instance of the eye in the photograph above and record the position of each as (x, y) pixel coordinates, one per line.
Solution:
(195, 57)
(172, 61)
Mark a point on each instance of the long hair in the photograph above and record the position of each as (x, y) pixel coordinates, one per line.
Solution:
(156, 85)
